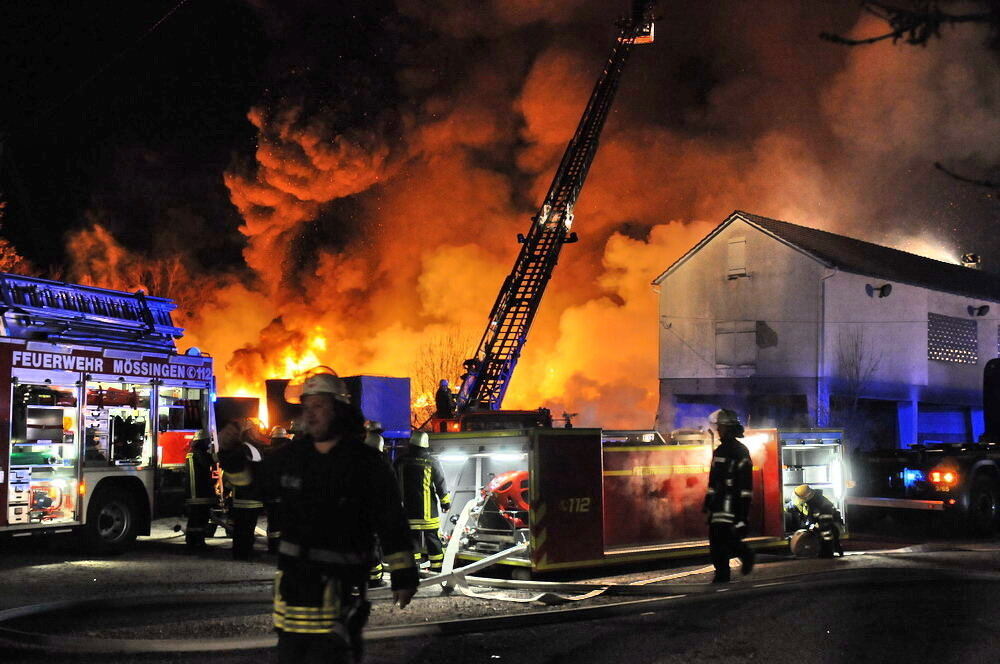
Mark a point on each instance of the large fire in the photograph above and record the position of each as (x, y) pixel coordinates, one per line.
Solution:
(376, 242)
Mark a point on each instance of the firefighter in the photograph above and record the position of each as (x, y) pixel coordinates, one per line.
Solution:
(727, 501)
(422, 484)
(200, 490)
(444, 401)
(279, 438)
(336, 495)
(246, 503)
(374, 439)
(818, 512)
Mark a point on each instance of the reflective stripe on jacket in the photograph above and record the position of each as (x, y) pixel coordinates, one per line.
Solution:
(730, 483)
(422, 485)
(200, 485)
(334, 503)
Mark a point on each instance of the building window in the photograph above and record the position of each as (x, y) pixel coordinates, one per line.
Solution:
(951, 339)
(736, 344)
(736, 258)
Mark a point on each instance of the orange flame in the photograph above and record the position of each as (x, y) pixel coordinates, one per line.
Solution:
(423, 211)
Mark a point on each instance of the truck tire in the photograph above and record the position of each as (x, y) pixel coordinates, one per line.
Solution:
(112, 517)
(983, 506)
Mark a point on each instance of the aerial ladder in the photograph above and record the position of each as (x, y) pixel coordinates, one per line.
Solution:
(488, 373)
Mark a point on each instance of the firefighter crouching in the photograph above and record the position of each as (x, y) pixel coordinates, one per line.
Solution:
(336, 494)
(201, 495)
(422, 484)
(246, 504)
(727, 501)
(818, 512)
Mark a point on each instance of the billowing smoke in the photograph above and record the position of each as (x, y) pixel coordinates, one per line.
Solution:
(381, 204)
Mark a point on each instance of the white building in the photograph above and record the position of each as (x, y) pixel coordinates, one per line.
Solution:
(794, 326)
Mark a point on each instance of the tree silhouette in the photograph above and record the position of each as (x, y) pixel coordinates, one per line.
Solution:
(920, 21)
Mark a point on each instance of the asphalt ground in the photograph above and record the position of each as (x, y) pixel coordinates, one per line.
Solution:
(37, 572)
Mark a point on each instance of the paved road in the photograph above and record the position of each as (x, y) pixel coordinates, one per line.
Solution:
(854, 623)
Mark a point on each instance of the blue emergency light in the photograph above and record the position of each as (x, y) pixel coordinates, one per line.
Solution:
(912, 476)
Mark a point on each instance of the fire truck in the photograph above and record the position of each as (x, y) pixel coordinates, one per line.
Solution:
(99, 409)
(959, 481)
(586, 498)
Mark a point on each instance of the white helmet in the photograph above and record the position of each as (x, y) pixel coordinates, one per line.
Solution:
(420, 439)
(321, 380)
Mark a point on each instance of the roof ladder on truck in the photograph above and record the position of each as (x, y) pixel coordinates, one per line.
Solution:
(45, 310)
(488, 373)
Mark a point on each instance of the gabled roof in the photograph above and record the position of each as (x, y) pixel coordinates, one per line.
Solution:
(851, 255)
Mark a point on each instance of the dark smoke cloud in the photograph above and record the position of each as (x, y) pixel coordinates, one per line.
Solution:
(421, 142)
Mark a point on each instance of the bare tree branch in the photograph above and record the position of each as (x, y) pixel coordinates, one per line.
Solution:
(990, 184)
(915, 26)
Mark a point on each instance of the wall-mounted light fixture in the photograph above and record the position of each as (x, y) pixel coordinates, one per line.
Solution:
(978, 311)
(883, 291)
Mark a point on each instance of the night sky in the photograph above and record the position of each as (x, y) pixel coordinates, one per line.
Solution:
(106, 118)
(286, 166)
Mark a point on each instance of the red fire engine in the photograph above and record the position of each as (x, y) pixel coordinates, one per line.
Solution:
(100, 406)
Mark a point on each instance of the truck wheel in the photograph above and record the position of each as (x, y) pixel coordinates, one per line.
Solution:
(983, 507)
(111, 522)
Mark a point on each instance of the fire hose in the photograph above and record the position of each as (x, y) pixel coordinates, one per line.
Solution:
(62, 643)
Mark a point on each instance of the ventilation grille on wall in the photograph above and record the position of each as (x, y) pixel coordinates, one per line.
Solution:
(951, 339)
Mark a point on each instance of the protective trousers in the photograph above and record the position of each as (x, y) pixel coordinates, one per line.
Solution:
(725, 543)
(197, 525)
(316, 615)
(428, 543)
(244, 524)
(273, 526)
(829, 536)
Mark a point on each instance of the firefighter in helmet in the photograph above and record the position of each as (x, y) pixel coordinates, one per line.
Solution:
(201, 496)
(422, 483)
(271, 498)
(336, 495)
(246, 500)
(817, 511)
(727, 501)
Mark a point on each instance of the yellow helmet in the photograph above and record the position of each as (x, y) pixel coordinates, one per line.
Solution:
(804, 492)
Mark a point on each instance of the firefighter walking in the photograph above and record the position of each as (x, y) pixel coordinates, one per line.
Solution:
(817, 511)
(336, 495)
(727, 501)
(201, 494)
(422, 484)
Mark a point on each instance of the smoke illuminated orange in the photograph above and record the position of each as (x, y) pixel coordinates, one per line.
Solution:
(438, 196)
